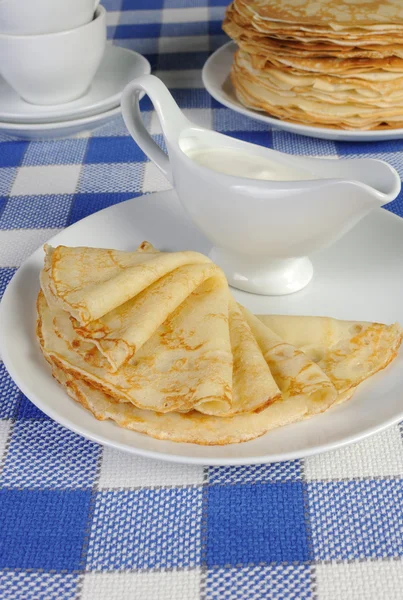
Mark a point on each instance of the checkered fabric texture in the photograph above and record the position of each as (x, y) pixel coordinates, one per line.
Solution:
(78, 521)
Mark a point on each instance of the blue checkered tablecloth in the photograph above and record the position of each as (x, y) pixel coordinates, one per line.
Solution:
(78, 521)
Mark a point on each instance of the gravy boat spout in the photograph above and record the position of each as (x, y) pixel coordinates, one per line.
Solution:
(263, 211)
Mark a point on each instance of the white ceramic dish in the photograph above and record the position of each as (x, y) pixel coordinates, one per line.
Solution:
(58, 129)
(358, 278)
(217, 82)
(56, 67)
(19, 17)
(262, 230)
(118, 67)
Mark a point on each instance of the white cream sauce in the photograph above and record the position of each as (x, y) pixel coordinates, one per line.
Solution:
(242, 164)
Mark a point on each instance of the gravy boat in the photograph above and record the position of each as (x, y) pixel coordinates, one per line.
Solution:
(262, 231)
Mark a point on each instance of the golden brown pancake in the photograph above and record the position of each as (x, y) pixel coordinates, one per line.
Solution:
(320, 63)
(171, 354)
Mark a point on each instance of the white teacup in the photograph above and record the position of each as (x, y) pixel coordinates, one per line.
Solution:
(33, 17)
(57, 67)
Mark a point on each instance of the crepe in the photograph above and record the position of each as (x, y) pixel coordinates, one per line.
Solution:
(90, 282)
(192, 427)
(338, 15)
(171, 354)
(320, 63)
(328, 102)
(295, 373)
(347, 351)
(175, 346)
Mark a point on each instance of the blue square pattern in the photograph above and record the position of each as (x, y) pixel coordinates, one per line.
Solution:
(184, 3)
(111, 178)
(187, 29)
(116, 127)
(128, 17)
(176, 61)
(114, 4)
(191, 98)
(36, 212)
(146, 106)
(24, 585)
(12, 153)
(120, 149)
(27, 410)
(110, 32)
(215, 27)
(300, 144)
(43, 529)
(7, 176)
(6, 274)
(147, 46)
(143, 4)
(382, 148)
(216, 41)
(273, 472)
(228, 120)
(3, 202)
(136, 30)
(160, 140)
(356, 519)
(44, 454)
(261, 138)
(282, 582)
(87, 204)
(9, 395)
(56, 152)
(397, 205)
(152, 58)
(217, 13)
(253, 524)
(146, 529)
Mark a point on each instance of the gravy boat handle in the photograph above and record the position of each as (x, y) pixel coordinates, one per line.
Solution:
(171, 118)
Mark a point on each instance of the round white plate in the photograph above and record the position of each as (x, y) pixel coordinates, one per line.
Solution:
(361, 277)
(118, 67)
(216, 79)
(60, 129)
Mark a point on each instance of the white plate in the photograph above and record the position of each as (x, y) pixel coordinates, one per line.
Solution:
(50, 131)
(360, 277)
(118, 67)
(217, 82)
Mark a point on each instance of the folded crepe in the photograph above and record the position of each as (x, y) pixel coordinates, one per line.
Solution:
(176, 345)
(347, 351)
(192, 427)
(321, 63)
(155, 341)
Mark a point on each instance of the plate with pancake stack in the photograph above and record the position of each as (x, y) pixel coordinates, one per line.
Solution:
(330, 66)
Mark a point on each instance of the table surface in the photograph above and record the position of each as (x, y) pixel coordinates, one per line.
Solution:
(84, 522)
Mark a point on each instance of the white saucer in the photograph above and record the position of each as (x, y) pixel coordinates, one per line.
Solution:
(59, 129)
(217, 82)
(118, 67)
(361, 277)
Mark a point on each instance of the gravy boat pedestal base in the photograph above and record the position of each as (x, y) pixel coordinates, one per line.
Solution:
(267, 277)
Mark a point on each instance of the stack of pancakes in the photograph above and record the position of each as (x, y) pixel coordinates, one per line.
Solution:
(320, 62)
(155, 342)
